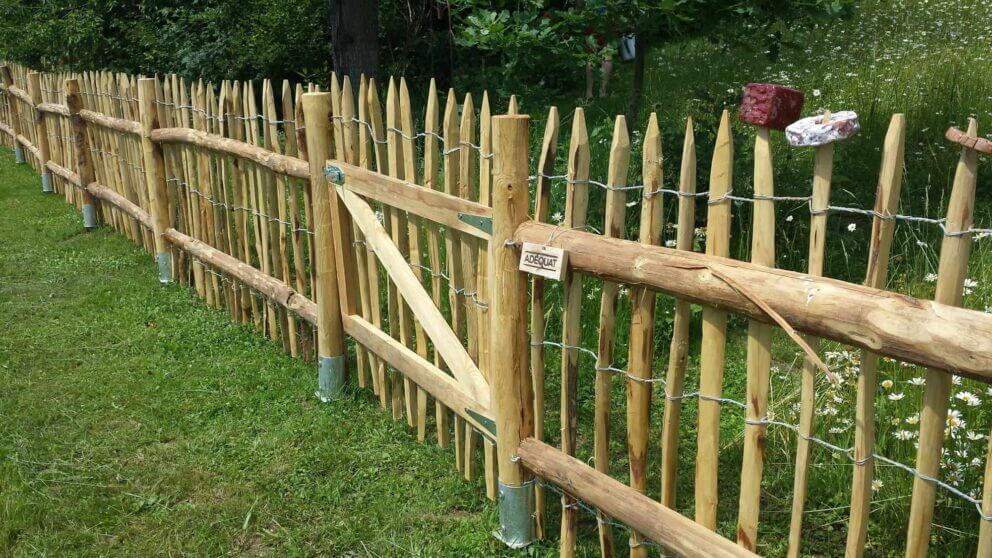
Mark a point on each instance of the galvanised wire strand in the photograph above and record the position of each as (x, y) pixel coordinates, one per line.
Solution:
(849, 452)
(217, 203)
(804, 199)
(355, 120)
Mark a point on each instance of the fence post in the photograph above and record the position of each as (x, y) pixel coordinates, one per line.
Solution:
(330, 332)
(41, 129)
(84, 166)
(512, 391)
(15, 121)
(154, 162)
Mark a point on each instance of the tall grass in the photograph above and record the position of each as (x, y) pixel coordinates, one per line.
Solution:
(927, 59)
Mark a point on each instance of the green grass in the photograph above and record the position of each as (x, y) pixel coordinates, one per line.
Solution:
(138, 422)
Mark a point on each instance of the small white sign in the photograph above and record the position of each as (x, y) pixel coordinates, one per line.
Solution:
(546, 261)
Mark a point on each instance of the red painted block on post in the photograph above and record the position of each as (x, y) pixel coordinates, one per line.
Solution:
(770, 106)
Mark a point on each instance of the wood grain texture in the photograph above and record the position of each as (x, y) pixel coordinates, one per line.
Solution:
(882, 230)
(759, 349)
(894, 325)
(542, 203)
(951, 273)
(642, 326)
(576, 204)
(512, 389)
(679, 351)
(823, 160)
(711, 360)
(676, 533)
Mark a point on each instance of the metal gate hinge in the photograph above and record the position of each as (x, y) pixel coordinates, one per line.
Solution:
(484, 224)
(334, 174)
(484, 421)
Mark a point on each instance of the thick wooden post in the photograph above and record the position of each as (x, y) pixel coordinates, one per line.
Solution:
(512, 391)
(154, 163)
(84, 166)
(41, 132)
(15, 121)
(330, 333)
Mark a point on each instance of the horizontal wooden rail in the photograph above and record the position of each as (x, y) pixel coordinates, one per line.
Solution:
(118, 124)
(430, 204)
(5, 128)
(104, 193)
(68, 175)
(54, 108)
(887, 323)
(29, 146)
(270, 287)
(435, 381)
(122, 203)
(20, 94)
(281, 164)
(658, 523)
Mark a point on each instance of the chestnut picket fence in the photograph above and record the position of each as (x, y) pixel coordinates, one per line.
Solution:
(316, 216)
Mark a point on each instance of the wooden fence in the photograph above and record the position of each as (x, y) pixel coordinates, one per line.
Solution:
(315, 215)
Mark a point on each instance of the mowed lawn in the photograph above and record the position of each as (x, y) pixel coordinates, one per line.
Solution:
(134, 421)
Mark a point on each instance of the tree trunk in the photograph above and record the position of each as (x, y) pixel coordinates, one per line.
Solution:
(637, 83)
(354, 37)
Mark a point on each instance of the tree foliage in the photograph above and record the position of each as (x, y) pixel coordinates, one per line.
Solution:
(538, 46)
(208, 38)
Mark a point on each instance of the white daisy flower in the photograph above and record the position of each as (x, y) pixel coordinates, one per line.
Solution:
(970, 398)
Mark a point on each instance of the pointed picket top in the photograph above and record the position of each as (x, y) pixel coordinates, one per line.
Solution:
(348, 127)
(651, 169)
(545, 165)
(225, 93)
(378, 133)
(451, 142)
(578, 166)
(485, 149)
(687, 185)
(211, 111)
(408, 135)
(466, 153)
(289, 118)
(721, 183)
(364, 153)
(431, 123)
